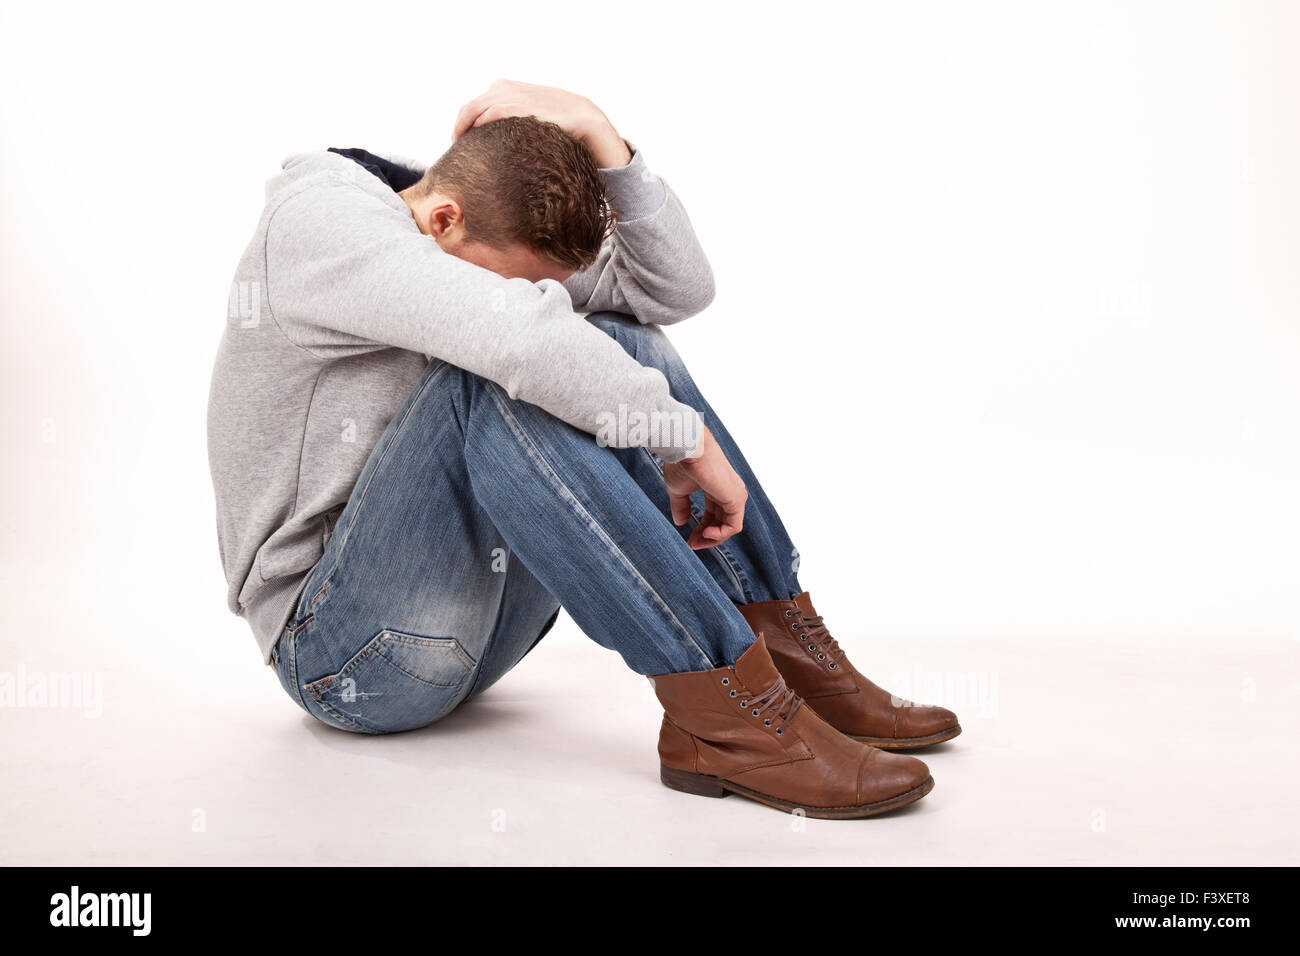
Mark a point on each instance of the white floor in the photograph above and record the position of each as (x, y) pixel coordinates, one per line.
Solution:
(1154, 754)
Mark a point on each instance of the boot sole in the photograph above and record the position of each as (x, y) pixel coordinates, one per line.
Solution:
(702, 785)
(908, 743)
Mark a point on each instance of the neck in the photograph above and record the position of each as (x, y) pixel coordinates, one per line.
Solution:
(419, 206)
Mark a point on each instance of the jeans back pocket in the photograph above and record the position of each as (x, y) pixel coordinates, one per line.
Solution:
(396, 682)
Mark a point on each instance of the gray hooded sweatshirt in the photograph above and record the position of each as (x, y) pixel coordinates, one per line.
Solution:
(336, 308)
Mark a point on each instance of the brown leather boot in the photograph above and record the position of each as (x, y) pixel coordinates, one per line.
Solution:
(739, 729)
(816, 668)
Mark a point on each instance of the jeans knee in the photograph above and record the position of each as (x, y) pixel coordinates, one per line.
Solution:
(612, 323)
(645, 343)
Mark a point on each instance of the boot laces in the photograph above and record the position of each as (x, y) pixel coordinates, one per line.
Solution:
(779, 699)
(817, 635)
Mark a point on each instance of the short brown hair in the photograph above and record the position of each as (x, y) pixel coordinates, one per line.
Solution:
(525, 180)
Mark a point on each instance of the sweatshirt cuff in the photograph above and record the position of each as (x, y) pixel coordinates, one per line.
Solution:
(634, 190)
(691, 435)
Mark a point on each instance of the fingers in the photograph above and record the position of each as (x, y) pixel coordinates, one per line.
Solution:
(717, 524)
(681, 507)
(725, 495)
(732, 523)
(498, 111)
(704, 537)
(488, 106)
(705, 534)
(469, 114)
(488, 112)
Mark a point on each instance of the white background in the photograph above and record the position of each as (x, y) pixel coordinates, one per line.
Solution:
(1008, 322)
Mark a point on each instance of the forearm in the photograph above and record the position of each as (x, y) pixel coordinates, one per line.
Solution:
(653, 267)
(343, 273)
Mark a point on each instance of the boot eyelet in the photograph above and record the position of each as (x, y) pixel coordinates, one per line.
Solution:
(744, 703)
(780, 731)
(726, 681)
(794, 626)
(753, 713)
(812, 647)
(832, 665)
(767, 723)
(821, 657)
(789, 613)
(733, 693)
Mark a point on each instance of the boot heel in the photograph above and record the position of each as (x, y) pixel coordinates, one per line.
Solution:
(697, 783)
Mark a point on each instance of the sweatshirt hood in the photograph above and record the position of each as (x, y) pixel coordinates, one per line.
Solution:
(380, 174)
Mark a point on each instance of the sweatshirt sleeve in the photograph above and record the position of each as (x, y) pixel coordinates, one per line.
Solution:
(653, 266)
(346, 270)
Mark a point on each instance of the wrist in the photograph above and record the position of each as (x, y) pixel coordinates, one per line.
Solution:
(607, 148)
(701, 446)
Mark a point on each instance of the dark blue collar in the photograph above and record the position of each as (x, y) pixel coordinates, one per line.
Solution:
(394, 176)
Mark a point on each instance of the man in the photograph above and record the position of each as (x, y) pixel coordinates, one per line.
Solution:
(443, 407)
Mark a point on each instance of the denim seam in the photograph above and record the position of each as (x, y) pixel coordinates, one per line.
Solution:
(486, 652)
(634, 339)
(721, 554)
(548, 472)
(429, 379)
(339, 717)
(726, 560)
(375, 649)
(293, 669)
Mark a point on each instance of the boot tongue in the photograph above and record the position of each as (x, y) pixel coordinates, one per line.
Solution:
(804, 603)
(755, 669)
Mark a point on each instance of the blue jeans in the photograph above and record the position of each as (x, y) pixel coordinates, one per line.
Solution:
(476, 516)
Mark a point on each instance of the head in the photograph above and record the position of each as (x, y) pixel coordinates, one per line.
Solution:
(518, 196)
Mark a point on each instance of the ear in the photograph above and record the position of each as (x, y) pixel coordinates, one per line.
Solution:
(444, 216)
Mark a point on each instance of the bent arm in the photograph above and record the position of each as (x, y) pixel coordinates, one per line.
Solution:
(653, 266)
(346, 271)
